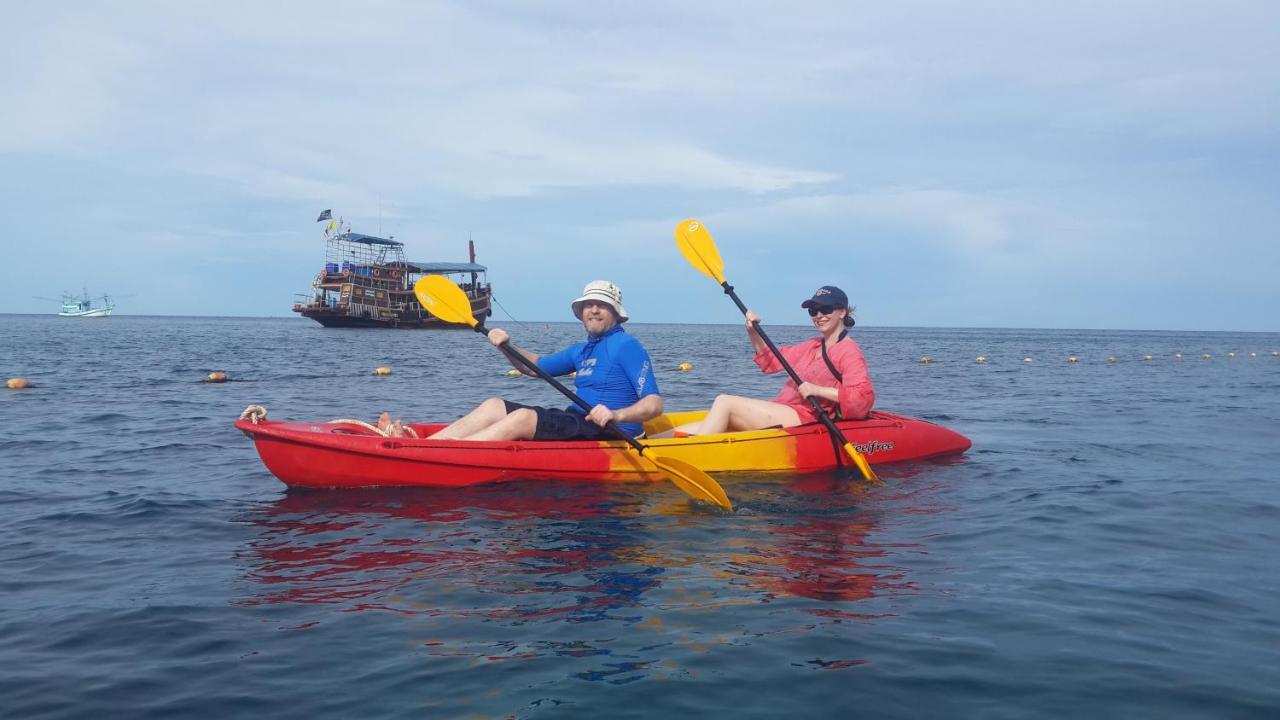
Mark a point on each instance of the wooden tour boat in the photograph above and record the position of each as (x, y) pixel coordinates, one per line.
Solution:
(366, 282)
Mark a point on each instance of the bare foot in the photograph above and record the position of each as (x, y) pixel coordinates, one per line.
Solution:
(391, 428)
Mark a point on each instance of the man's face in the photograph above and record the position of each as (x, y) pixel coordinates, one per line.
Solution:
(598, 317)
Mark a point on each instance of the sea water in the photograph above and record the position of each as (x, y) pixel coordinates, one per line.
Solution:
(1110, 547)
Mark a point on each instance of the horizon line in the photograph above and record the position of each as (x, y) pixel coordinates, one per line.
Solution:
(636, 322)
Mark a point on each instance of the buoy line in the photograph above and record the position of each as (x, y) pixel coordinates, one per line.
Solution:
(1111, 359)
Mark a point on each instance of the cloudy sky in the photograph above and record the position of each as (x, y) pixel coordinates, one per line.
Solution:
(1010, 164)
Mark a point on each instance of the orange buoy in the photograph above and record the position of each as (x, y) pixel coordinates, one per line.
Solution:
(217, 376)
(17, 384)
(685, 366)
(382, 371)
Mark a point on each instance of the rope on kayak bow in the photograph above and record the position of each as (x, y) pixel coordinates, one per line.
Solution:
(360, 423)
(254, 413)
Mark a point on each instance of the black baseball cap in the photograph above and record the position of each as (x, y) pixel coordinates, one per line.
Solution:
(827, 295)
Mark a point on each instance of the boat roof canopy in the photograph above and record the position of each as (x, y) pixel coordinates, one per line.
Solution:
(444, 267)
(369, 239)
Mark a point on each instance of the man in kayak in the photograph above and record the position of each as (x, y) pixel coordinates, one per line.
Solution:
(614, 376)
(831, 364)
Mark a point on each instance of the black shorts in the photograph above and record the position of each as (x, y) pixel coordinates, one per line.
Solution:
(556, 424)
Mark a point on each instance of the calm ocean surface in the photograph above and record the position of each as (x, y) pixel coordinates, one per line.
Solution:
(1109, 548)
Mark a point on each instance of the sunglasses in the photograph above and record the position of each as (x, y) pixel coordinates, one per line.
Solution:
(816, 310)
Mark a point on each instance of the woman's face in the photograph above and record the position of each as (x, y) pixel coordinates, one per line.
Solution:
(826, 317)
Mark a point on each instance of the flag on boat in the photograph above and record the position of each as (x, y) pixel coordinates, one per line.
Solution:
(327, 214)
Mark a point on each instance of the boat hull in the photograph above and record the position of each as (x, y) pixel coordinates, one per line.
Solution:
(340, 318)
(94, 313)
(327, 455)
(334, 320)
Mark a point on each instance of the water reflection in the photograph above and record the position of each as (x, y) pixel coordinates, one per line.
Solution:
(497, 550)
(576, 552)
(610, 583)
(817, 543)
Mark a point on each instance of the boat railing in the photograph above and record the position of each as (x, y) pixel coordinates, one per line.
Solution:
(311, 300)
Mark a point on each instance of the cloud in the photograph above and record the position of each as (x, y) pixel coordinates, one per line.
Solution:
(284, 114)
(62, 86)
(1114, 145)
(962, 223)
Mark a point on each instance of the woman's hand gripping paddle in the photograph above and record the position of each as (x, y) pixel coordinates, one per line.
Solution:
(700, 250)
(444, 299)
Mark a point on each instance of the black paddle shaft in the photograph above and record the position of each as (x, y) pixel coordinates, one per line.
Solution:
(510, 352)
(837, 438)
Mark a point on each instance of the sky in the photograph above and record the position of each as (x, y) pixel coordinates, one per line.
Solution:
(978, 164)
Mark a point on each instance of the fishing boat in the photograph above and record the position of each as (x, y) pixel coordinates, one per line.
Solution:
(352, 454)
(84, 306)
(367, 282)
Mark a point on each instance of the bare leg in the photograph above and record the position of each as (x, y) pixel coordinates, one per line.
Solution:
(733, 412)
(486, 413)
(518, 425)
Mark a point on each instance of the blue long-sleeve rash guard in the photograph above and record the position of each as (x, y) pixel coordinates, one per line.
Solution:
(613, 370)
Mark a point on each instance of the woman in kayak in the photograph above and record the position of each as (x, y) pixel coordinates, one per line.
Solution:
(831, 365)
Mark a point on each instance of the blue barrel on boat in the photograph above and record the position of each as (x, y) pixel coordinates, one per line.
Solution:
(331, 267)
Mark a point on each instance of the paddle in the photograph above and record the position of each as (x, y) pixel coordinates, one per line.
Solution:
(699, 249)
(444, 299)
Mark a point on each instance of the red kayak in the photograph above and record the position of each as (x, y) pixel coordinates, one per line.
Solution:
(344, 454)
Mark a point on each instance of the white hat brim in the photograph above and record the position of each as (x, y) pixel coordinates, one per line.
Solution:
(599, 296)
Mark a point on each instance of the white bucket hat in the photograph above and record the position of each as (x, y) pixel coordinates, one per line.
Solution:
(602, 291)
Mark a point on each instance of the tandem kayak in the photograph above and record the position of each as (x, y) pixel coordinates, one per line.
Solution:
(344, 455)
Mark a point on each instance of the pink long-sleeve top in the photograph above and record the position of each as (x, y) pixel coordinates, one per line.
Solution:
(857, 395)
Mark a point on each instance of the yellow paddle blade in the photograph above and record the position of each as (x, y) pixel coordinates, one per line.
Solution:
(691, 480)
(443, 298)
(861, 461)
(699, 249)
